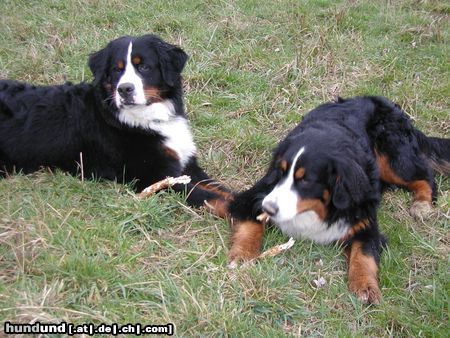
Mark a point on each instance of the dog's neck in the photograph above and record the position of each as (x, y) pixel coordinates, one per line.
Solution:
(145, 116)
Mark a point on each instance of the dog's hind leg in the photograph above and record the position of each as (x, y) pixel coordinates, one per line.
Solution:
(411, 173)
(405, 155)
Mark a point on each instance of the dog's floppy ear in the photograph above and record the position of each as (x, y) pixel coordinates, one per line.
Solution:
(349, 184)
(172, 60)
(98, 63)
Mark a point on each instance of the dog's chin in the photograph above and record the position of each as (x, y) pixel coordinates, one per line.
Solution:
(133, 104)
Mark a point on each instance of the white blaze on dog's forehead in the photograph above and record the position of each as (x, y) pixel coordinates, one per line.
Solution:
(161, 117)
(294, 161)
(283, 196)
(130, 76)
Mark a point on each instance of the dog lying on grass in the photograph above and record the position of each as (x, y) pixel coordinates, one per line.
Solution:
(325, 182)
(128, 125)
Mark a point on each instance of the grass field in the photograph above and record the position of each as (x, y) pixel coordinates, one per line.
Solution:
(86, 252)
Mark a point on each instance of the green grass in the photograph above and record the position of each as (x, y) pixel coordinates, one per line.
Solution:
(91, 252)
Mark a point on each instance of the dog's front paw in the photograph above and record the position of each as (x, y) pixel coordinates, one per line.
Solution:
(246, 242)
(368, 292)
(421, 210)
(241, 255)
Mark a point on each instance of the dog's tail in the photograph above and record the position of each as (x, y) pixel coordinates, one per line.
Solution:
(437, 150)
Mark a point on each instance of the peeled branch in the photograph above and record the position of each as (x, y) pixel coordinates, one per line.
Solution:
(264, 218)
(273, 251)
(163, 184)
(277, 249)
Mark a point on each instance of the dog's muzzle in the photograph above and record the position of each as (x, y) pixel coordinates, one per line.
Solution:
(126, 92)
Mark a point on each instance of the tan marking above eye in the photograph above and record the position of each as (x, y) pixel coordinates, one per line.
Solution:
(120, 65)
(136, 60)
(299, 173)
(283, 165)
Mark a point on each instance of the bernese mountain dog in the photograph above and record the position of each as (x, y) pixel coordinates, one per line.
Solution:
(128, 125)
(325, 180)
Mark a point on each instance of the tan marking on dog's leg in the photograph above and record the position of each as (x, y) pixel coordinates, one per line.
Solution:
(422, 192)
(246, 241)
(421, 189)
(218, 207)
(354, 229)
(362, 275)
(216, 188)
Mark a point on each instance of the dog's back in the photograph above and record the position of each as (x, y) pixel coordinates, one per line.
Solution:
(40, 125)
(388, 127)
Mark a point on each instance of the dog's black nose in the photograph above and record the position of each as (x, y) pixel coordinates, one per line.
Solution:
(126, 89)
(270, 207)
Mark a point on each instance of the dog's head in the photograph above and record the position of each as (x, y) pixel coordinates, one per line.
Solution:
(315, 171)
(137, 72)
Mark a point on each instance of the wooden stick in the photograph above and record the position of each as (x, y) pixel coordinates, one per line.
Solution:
(273, 251)
(164, 184)
(277, 249)
(264, 218)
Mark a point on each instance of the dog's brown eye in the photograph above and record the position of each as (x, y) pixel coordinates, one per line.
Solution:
(116, 70)
(143, 68)
(299, 174)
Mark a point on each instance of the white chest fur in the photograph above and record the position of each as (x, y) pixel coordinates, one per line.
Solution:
(160, 117)
(308, 225)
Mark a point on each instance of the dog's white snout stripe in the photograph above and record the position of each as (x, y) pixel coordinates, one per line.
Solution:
(283, 197)
(131, 77)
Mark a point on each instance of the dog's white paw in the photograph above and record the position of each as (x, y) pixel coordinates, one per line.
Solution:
(421, 210)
